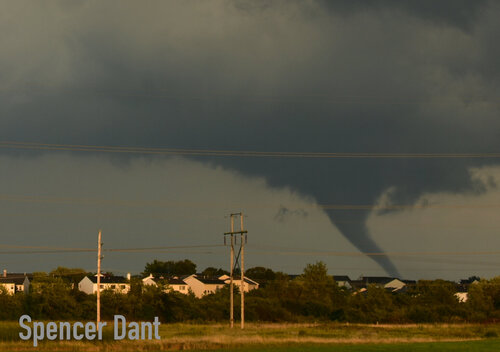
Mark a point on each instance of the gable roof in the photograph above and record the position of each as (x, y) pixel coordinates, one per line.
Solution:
(250, 281)
(238, 279)
(382, 280)
(207, 280)
(109, 279)
(175, 280)
(16, 275)
(210, 280)
(12, 280)
(341, 278)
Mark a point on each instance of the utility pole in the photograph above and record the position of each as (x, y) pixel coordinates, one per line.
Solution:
(242, 286)
(99, 257)
(242, 233)
(231, 294)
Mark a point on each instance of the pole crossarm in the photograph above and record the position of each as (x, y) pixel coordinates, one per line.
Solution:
(235, 233)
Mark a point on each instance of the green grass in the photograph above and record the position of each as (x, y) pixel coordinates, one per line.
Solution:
(283, 337)
(465, 346)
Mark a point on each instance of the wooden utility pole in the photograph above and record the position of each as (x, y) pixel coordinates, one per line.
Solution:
(231, 294)
(99, 245)
(242, 286)
(241, 261)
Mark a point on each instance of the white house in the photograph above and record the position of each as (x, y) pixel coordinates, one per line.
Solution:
(172, 284)
(462, 296)
(203, 285)
(342, 281)
(389, 283)
(149, 281)
(395, 285)
(8, 285)
(118, 284)
(14, 282)
(248, 284)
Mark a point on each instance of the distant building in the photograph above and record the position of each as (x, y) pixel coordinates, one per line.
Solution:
(462, 293)
(248, 284)
(462, 296)
(342, 281)
(117, 284)
(390, 283)
(15, 282)
(172, 283)
(198, 284)
(201, 285)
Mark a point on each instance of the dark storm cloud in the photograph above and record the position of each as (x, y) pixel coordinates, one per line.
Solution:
(460, 13)
(272, 76)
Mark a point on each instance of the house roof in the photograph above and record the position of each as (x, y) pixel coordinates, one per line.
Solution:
(170, 280)
(175, 281)
(377, 280)
(209, 280)
(341, 278)
(16, 275)
(250, 281)
(247, 280)
(12, 280)
(109, 279)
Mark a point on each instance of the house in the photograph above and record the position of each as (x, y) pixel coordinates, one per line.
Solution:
(462, 293)
(118, 284)
(150, 281)
(390, 283)
(15, 282)
(342, 281)
(201, 285)
(248, 284)
(173, 283)
(462, 296)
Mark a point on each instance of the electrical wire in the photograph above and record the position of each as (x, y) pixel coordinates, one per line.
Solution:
(183, 204)
(234, 153)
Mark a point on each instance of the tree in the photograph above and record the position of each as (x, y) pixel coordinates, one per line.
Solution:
(317, 284)
(72, 275)
(214, 272)
(260, 274)
(170, 268)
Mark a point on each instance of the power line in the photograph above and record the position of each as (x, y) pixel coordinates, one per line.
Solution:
(167, 204)
(49, 249)
(235, 153)
(324, 97)
(52, 250)
(373, 254)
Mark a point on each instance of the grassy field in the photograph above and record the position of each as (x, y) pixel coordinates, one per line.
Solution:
(283, 337)
(465, 346)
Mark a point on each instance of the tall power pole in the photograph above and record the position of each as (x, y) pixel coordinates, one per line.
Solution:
(238, 262)
(231, 294)
(242, 286)
(99, 257)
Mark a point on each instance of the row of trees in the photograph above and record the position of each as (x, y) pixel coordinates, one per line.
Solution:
(311, 296)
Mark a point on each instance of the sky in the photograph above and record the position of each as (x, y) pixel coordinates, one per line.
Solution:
(403, 78)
